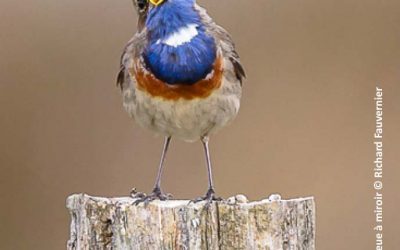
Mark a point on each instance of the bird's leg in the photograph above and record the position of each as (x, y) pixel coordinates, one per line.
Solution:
(210, 195)
(157, 193)
(157, 186)
(211, 191)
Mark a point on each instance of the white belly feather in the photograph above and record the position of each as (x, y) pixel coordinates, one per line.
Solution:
(186, 119)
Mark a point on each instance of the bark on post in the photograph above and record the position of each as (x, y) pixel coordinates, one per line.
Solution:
(274, 224)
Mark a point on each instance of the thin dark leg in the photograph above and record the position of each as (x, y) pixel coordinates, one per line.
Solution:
(157, 193)
(208, 160)
(210, 195)
(157, 186)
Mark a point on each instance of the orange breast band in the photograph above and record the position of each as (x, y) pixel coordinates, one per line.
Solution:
(201, 89)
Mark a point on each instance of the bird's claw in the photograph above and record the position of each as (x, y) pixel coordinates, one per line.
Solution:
(136, 195)
(157, 194)
(208, 198)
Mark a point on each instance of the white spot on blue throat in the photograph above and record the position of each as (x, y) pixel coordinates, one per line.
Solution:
(179, 50)
(184, 35)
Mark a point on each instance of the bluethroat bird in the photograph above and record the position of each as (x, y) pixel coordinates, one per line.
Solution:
(180, 77)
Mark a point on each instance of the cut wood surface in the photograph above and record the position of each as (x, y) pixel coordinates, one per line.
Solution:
(115, 223)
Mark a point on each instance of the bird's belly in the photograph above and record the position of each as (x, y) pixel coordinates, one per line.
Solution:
(186, 119)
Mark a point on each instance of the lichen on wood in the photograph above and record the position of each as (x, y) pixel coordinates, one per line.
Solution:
(116, 223)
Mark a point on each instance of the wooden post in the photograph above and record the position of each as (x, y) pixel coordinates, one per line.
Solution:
(115, 223)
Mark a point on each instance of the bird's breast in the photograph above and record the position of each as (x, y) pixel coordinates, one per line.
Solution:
(147, 82)
(182, 56)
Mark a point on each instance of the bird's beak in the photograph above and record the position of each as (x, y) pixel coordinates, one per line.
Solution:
(156, 2)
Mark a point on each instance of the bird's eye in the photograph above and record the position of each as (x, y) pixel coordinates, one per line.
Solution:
(142, 5)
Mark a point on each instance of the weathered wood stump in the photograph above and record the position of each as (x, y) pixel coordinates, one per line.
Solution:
(115, 223)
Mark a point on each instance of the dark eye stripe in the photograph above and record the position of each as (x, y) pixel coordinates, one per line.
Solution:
(142, 4)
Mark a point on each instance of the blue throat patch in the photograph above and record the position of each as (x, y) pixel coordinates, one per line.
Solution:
(187, 63)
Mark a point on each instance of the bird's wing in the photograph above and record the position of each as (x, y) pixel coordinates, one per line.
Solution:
(229, 48)
(131, 51)
(225, 41)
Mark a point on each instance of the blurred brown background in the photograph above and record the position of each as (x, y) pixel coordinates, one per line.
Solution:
(305, 127)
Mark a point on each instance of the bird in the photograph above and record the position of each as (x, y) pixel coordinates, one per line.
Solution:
(181, 77)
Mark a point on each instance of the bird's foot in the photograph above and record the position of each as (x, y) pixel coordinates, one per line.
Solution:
(208, 198)
(136, 195)
(157, 194)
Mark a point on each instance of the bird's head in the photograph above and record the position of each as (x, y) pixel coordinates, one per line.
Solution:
(163, 12)
(142, 6)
